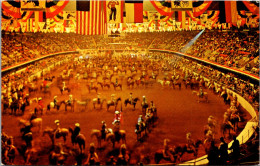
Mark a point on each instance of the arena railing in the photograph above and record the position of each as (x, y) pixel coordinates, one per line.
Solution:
(16, 66)
(254, 77)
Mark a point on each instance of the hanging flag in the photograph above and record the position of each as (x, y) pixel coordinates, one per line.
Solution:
(114, 11)
(91, 21)
(134, 11)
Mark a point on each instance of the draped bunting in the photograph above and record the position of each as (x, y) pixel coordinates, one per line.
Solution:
(212, 16)
(162, 7)
(252, 7)
(197, 11)
(55, 7)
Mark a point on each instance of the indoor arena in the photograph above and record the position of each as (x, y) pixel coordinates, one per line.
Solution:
(125, 82)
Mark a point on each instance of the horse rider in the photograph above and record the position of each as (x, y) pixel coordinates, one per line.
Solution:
(26, 131)
(11, 149)
(103, 130)
(26, 100)
(140, 119)
(211, 122)
(190, 142)
(55, 101)
(166, 150)
(113, 98)
(76, 132)
(144, 100)
(57, 130)
(116, 82)
(63, 85)
(133, 68)
(201, 93)
(92, 156)
(40, 105)
(69, 102)
(131, 98)
(123, 156)
(226, 119)
(98, 98)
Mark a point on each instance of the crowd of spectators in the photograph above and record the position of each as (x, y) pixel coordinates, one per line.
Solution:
(234, 49)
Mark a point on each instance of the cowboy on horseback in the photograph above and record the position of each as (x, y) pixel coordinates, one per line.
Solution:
(201, 93)
(116, 83)
(113, 98)
(63, 86)
(190, 143)
(27, 134)
(144, 100)
(76, 132)
(116, 124)
(131, 98)
(98, 98)
(56, 131)
(40, 105)
(55, 101)
(166, 150)
(103, 130)
(69, 102)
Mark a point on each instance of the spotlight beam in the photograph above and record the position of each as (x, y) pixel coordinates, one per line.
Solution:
(187, 46)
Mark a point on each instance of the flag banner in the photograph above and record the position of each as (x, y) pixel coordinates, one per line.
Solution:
(91, 22)
(69, 15)
(163, 7)
(200, 7)
(41, 25)
(253, 6)
(114, 11)
(180, 5)
(134, 11)
(55, 7)
(33, 5)
(153, 15)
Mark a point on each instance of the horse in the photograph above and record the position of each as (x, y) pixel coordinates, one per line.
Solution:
(127, 101)
(139, 128)
(112, 137)
(113, 103)
(37, 123)
(181, 149)
(116, 85)
(62, 133)
(130, 83)
(205, 95)
(98, 135)
(37, 109)
(144, 106)
(226, 127)
(234, 119)
(65, 89)
(68, 104)
(80, 140)
(57, 106)
(164, 83)
(104, 85)
(84, 103)
(95, 88)
(158, 156)
(96, 101)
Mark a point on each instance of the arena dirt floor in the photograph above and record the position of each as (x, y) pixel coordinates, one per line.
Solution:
(178, 110)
